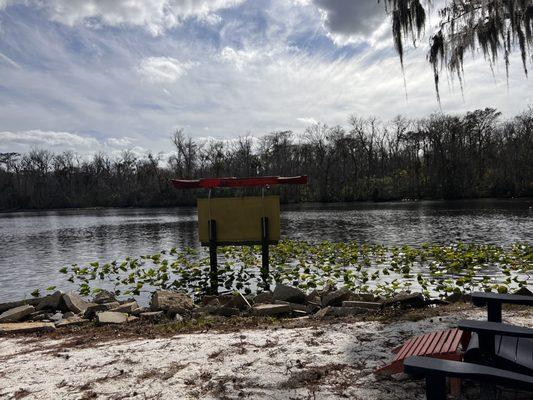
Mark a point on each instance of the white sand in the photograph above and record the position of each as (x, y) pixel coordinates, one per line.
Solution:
(333, 361)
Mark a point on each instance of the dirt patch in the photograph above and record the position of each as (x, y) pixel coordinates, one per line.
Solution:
(21, 393)
(91, 334)
(163, 374)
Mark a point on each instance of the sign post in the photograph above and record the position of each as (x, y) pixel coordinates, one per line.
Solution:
(238, 221)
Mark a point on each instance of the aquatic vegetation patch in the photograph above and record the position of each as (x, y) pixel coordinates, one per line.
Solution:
(435, 270)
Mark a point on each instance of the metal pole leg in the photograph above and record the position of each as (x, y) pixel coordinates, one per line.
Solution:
(213, 274)
(265, 267)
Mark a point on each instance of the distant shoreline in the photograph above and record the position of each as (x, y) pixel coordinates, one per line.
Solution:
(283, 204)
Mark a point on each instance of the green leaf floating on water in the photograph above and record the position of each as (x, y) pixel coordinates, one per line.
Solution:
(435, 270)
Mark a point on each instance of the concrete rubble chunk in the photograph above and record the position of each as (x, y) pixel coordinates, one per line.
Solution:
(288, 293)
(16, 314)
(362, 304)
(15, 304)
(104, 296)
(336, 297)
(271, 309)
(171, 302)
(126, 307)
(406, 300)
(454, 298)
(222, 311)
(111, 317)
(299, 313)
(50, 302)
(208, 299)
(139, 310)
(366, 297)
(293, 306)
(314, 298)
(58, 316)
(74, 320)
(39, 316)
(76, 303)
(91, 311)
(153, 315)
(23, 327)
(321, 314)
(263, 298)
(240, 302)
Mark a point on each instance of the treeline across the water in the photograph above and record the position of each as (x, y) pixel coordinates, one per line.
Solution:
(443, 156)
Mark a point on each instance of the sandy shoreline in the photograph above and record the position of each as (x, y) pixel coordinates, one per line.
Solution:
(332, 360)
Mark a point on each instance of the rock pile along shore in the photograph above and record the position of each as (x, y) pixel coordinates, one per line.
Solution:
(65, 309)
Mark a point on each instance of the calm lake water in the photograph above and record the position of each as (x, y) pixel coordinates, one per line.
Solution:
(34, 245)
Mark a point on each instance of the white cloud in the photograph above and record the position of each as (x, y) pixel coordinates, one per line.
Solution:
(267, 68)
(307, 121)
(239, 58)
(156, 16)
(162, 69)
(120, 142)
(40, 138)
(5, 3)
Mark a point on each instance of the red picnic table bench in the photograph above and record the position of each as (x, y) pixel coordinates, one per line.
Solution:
(445, 345)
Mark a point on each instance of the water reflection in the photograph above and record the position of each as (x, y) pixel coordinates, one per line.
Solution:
(33, 245)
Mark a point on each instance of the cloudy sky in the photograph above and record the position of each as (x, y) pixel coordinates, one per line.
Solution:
(106, 75)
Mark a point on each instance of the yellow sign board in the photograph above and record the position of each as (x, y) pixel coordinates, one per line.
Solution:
(238, 220)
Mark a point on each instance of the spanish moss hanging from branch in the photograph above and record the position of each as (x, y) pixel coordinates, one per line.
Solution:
(496, 27)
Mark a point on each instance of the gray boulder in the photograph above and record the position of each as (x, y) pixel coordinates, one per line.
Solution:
(50, 302)
(91, 311)
(56, 317)
(263, 298)
(271, 309)
(454, 297)
(238, 301)
(16, 314)
(40, 316)
(126, 307)
(368, 297)
(76, 303)
(171, 302)
(111, 317)
(104, 296)
(288, 293)
(406, 300)
(14, 304)
(336, 297)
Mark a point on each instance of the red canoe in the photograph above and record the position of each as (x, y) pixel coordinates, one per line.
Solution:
(209, 183)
